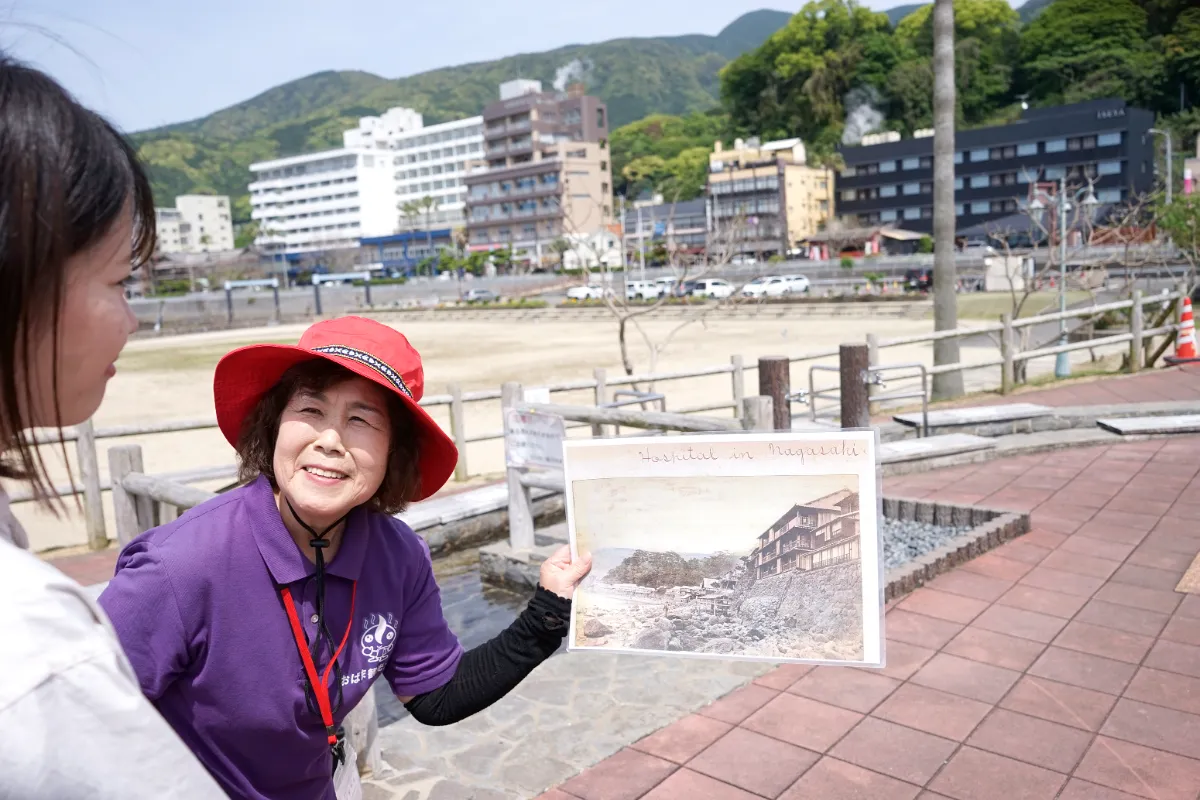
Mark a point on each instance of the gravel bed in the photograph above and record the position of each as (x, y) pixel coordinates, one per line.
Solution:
(905, 540)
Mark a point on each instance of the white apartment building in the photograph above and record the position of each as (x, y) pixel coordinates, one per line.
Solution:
(199, 223)
(322, 201)
(432, 162)
(331, 199)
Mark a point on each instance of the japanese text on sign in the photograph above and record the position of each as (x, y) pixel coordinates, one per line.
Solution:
(534, 440)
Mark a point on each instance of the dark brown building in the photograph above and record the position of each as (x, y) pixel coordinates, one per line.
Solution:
(818, 534)
(545, 171)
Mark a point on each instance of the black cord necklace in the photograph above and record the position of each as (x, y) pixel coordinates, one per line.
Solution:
(318, 542)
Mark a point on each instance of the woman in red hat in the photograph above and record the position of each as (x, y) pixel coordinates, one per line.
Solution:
(257, 620)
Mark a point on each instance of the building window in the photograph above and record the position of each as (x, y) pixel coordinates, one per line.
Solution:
(1056, 146)
(958, 184)
(959, 209)
(912, 213)
(981, 207)
(1109, 195)
(848, 195)
(887, 216)
(887, 166)
(958, 157)
(1055, 173)
(926, 162)
(911, 163)
(979, 181)
(849, 172)
(980, 155)
(1108, 140)
(912, 188)
(887, 191)
(1109, 168)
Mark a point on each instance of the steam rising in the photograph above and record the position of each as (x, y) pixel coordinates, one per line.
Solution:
(575, 71)
(861, 115)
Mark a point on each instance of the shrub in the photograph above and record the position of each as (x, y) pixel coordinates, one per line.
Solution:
(847, 262)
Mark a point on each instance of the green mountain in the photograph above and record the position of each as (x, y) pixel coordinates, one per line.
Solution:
(634, 76)
(1027, 11)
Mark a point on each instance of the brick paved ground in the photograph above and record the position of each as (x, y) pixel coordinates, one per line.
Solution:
(1179, 383)
(1061, 665)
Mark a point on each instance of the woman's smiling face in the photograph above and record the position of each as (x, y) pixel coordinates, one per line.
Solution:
(331, 453)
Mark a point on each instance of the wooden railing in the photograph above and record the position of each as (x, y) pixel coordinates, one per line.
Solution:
(774, 379)
(756, 415)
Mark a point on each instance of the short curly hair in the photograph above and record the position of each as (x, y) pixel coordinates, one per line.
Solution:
(256, 443)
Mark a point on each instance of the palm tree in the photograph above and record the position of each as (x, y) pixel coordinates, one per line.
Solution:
(427, 205)
(945, 299)
(409, 212)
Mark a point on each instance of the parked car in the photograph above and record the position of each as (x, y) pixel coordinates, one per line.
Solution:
(586, 293)
(480, 296)
(797, 284)
(978, 248)
(743, 258)
(642, 290)
(715, 288)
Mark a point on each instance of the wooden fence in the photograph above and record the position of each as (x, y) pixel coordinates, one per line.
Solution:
(774, 380)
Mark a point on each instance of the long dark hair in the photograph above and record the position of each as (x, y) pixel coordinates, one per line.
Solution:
(65, 177)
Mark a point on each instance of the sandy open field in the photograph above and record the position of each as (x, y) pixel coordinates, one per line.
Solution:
(171, 379)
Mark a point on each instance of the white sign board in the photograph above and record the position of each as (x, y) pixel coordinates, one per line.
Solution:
(537, 394)
(533, 440)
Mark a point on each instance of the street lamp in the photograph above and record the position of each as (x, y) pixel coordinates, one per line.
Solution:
(1062, 364)
(1170, 171)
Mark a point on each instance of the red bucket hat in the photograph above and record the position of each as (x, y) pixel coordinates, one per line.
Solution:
(363, 346)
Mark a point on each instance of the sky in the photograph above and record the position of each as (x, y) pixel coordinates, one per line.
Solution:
(691, 515)
(145, 63)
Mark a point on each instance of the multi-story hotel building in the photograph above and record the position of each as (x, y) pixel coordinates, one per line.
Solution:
(811, 535)
(765, 198)
(545, 172)
(889, 180)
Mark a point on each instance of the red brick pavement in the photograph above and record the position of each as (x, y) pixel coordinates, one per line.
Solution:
(1178, 383)
(1061, 665)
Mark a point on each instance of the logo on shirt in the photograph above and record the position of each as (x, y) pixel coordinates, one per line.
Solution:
(379, 637)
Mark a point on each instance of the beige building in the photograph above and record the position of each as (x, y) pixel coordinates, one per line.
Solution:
(199, 223)
(545, 174)
(765, 198)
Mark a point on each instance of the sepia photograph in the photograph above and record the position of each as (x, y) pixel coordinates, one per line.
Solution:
(726, 555)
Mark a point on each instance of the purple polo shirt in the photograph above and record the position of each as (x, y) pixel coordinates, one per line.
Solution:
(197, 610)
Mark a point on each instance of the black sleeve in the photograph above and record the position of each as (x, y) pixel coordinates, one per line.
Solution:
(490, 671)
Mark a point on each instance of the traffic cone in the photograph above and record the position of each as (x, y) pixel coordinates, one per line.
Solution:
(1185, 343)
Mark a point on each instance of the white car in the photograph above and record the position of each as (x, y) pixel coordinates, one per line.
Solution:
(797, 284)
(743, 258)
(711, 287)
(642, 290)
(776, 286)
(585, 293)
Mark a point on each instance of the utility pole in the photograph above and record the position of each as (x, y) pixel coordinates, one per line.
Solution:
(1170, 166)
(945, 281)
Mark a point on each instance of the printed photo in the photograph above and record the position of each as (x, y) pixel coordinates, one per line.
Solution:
(775, 567)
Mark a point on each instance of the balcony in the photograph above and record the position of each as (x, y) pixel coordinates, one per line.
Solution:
(518, 127)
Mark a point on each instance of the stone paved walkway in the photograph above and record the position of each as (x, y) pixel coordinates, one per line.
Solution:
(1061, 665)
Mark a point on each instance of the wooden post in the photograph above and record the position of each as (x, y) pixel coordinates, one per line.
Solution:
(89, 473)
(520, 505)
(228, 306)
(775, 381)
(601, 396)
(367, 290)
(873, 360)
(757, 413)
(852, 359)
(458, 430)
(317, 295)
(1137, 324)
(123, 460)
(278, 314)
(739, 385)
(1007, 348)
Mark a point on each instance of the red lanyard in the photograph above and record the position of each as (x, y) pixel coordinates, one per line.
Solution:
(319, 685)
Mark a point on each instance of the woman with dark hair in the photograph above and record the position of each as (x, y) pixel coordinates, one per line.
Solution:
(258, 620)
(76, 215)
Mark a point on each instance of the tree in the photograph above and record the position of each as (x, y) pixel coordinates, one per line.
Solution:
(945, 281)
(428, 205)
(1081, 50)
(410, 212)
(560, 247)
